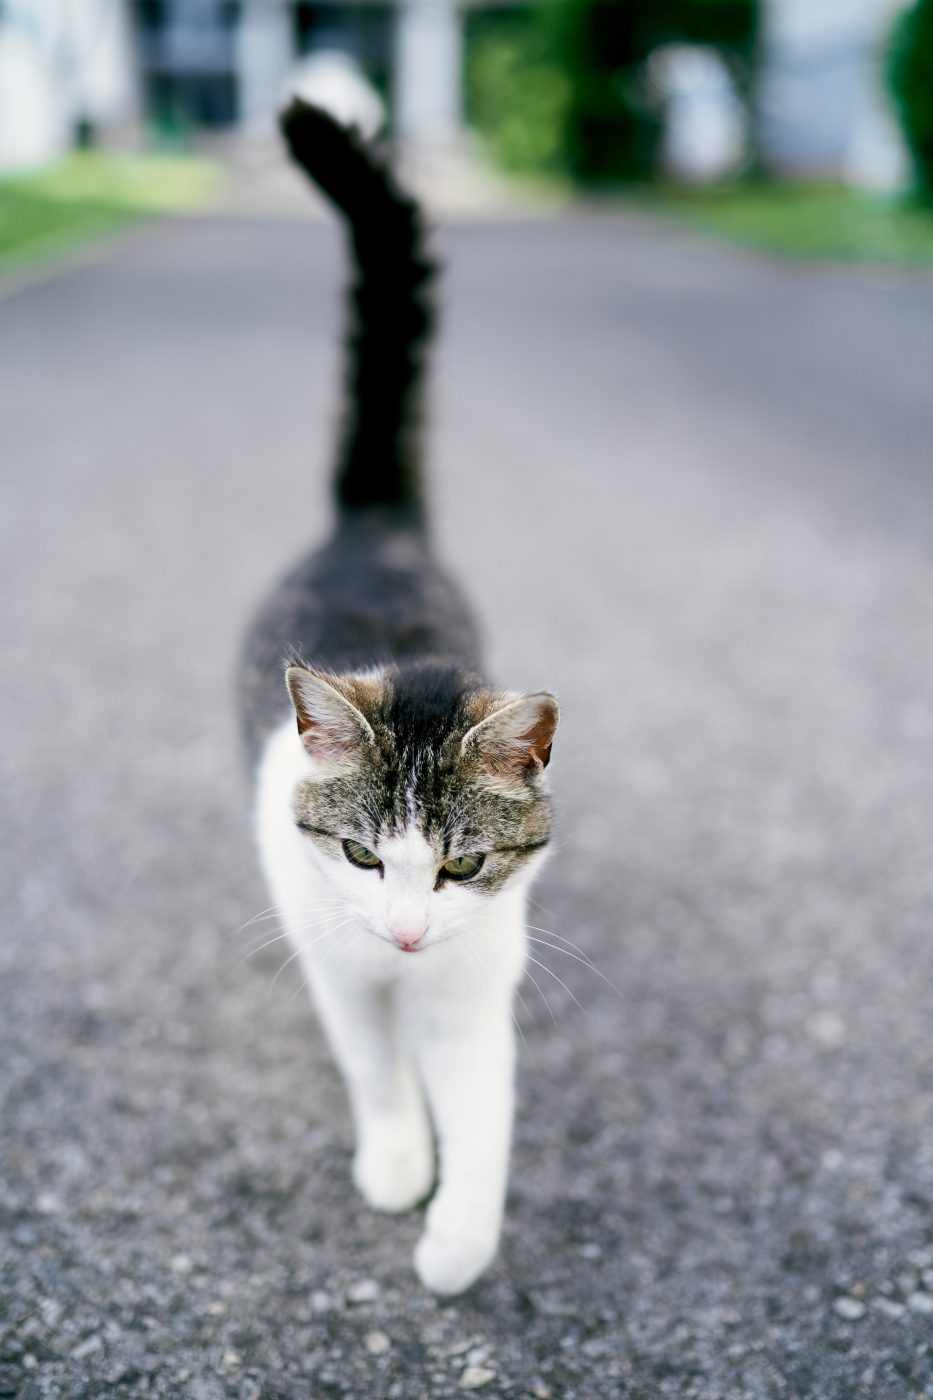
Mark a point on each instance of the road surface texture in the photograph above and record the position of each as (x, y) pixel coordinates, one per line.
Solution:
(692, 490)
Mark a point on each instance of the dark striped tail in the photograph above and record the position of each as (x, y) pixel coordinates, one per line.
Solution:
(391, 312)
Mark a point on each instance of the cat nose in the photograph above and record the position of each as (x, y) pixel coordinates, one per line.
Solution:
(407, 936)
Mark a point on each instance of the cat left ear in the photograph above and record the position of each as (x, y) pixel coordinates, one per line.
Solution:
(331, 727)
(515, 741)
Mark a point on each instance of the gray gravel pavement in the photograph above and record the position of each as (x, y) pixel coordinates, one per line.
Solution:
(692, 490)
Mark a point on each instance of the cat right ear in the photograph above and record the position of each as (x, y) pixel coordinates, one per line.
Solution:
(514, 742)
(331, 727)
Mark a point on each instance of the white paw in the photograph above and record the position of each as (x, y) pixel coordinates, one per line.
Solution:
(392, 1175)
(450, 1263)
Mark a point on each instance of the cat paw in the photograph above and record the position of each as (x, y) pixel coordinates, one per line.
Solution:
(450, 1263)
(393, 1178)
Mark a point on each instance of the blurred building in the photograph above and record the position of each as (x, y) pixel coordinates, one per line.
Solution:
(69, 67)
(223, 62)
(66, 68)
(79, 68)
(823, 112)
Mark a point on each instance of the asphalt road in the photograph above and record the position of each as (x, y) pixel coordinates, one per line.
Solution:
(692, 490)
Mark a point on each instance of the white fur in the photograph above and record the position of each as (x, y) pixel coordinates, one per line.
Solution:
(415, 1034)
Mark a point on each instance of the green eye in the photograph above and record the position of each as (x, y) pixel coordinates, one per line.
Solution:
(463, 867)
(359, 855)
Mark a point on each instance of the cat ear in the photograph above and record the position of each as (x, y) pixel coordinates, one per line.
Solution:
(514, 742)
(331, 727)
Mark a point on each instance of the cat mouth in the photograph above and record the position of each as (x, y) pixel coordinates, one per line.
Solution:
(408, 947)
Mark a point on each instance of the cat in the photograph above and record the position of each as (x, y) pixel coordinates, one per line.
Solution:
(401, 803)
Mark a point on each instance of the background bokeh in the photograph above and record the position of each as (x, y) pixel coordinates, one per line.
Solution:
(798, 126)
(593, 88)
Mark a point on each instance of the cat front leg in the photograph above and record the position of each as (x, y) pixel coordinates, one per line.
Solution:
(466, 1055)
(393, 1166)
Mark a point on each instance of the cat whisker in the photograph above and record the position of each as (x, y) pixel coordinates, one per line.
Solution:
(254, 951)
(550, 972)
(304, 981)
(263, 914)
(542, 942)
(524, 1005)
(278, 908)
(537, 986)
(342, 941)
(561, 939)
(345, 944)
(302, 928)
(462, 943)
(297, 992)
(272, 912)
(522, 1002)
(275, 911)
(305, 947)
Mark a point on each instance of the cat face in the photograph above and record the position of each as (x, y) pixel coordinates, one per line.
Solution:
(424, 796)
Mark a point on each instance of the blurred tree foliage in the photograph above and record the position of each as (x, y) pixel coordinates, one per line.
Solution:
(911, 78)
(564, 85)
(517, 92)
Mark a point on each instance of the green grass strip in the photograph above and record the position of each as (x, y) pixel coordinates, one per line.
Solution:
(91, 195)
(809, 221)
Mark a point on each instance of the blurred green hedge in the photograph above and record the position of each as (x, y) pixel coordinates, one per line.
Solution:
(562, 86)
(911, 79)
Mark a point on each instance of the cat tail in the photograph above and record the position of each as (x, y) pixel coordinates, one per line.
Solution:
(391, 314)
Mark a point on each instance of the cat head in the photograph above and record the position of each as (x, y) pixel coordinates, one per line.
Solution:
(422, 794)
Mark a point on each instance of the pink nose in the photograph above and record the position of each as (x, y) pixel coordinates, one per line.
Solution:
(407, 936)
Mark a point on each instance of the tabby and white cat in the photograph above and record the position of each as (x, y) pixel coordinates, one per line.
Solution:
(400, 825)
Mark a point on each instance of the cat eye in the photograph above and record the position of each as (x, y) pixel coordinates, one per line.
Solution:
(463, 867)
(361, 856)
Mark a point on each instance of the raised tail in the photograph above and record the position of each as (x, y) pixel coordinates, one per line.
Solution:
(391, 312)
